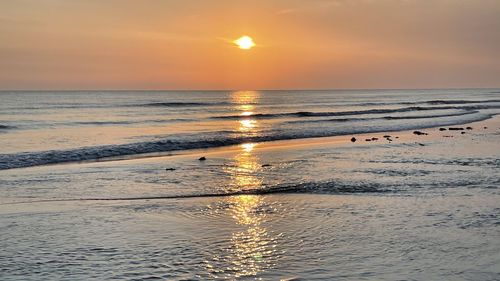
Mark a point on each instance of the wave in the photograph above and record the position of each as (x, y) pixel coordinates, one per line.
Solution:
(386, 118)
(217, 139)
(6, 127)
(100, 123)
(182, 104)
(102, 106)
(326, 187)
(31, 124)
(57, 106)
(355, 112)
(429, 116)
(460, 101)
(429, 102)
(175, 104)
(130, 122)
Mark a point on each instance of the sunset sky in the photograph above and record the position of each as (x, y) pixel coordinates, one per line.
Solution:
(300, 44)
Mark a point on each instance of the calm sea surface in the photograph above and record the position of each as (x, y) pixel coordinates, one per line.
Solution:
(264, 205)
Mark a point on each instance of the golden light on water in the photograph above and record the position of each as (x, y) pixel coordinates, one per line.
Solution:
(245, 102)
(253, 248)
(248, 147)
(247, 163)
(247, 125)
(245, 98)
(244, 207)
(244, 173)
(244, 42)
(246, 107)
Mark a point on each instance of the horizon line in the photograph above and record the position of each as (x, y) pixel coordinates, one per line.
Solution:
(238, 90)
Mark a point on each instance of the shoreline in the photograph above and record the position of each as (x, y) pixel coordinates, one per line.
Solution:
(339, 140)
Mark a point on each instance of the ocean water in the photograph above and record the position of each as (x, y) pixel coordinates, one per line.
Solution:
(53, 127)
(108, 185)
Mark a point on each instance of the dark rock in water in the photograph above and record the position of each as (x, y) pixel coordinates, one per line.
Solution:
(462, 133)
(374, 139)
(419, 133)
(266, 165)
(442, 129)
(203, 158)
(353, 139)
(387, 136)
(485, 127)
(421, 144)
(389, 139)
(469, 128)
(397, 137)
(169, 169)
(456, 129)
(368, 139)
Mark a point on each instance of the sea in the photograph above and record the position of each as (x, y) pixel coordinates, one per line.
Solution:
(250, 185)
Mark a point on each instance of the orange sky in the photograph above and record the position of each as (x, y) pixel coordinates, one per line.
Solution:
(301, 44)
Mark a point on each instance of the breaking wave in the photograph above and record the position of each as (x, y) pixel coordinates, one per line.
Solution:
(357, 112)
(183, 104)
(387, 117)
(217, 139)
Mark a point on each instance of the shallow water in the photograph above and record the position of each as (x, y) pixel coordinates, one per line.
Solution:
(311, 237)
(415, 208)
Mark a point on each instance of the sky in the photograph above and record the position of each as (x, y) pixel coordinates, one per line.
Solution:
(300, 44)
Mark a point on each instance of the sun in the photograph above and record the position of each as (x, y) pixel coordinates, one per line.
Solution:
(244, 42)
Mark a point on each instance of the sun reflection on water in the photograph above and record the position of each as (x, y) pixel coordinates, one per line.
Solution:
(247, 125)
(248, 147)
(244, 173)
(245, 102)
(246, 113)
(245, 98)
(252, 247)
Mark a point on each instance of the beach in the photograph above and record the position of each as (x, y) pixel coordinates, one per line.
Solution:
(417, 207)
(341, 140)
